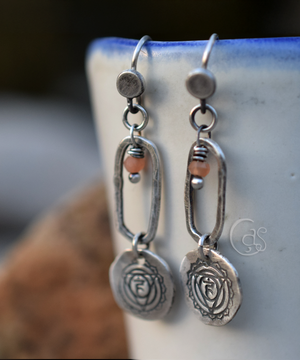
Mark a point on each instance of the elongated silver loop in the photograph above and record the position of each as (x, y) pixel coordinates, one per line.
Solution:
(214, 120)
(143, 124)
(208, 50)
(214, 149)
(137, 51)
(156, 188)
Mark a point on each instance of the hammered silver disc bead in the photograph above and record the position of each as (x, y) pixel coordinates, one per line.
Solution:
(130, 84)
(197, 182)
(134, 178)
(201, 83)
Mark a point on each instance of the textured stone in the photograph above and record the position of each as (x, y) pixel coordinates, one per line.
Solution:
(55, 298)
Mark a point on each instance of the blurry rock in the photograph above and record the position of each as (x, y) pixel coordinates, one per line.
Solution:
(55, 299)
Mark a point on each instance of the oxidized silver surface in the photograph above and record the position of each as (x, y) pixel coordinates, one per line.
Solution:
(142, 285)
(130, 83)
(212, 286)
(156, 187)
(214, 149)
(201, 83)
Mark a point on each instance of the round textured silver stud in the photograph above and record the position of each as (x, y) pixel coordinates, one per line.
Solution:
(130, 84)
(211, 285)
(197, 182)
(201, 83)
(134, 177)
(142, 285)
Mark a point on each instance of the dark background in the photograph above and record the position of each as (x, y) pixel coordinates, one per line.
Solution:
(42, 41)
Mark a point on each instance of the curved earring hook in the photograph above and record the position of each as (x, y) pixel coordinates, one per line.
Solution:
(137, 51)
(208, 49)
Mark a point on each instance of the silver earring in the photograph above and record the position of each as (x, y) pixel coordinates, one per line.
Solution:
(211, 283)
(141, 281)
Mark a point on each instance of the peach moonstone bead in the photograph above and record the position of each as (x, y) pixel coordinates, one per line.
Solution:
(134, 165)
(199, 168)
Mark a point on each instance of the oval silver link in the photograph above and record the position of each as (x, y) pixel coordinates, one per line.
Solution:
(138, 49)
(145, 118)
(156, 188)
(214, 148)
(208, 49)
(213, 123)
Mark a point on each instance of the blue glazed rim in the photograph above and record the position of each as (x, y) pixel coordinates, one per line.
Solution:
(276, 52)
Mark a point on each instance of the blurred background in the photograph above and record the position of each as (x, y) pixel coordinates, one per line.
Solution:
(47, 139)
(48, 148)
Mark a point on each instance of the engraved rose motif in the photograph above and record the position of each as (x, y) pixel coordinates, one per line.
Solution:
(142, 287)
(210, 289)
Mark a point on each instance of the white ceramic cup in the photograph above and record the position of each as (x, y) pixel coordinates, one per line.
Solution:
(258, 103)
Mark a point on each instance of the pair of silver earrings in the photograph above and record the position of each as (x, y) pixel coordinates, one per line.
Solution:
(141, 281)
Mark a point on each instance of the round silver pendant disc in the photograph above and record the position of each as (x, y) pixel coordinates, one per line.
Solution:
(142, 286)
(212, 287)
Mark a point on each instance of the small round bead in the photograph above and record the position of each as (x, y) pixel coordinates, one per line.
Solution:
(199, 168)
(197, 182)
(134, 165)
(134, 178)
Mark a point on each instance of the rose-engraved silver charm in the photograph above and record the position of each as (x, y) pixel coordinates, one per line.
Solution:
(212, 286)
(142, 285)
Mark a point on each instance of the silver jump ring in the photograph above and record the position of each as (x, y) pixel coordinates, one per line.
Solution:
(202, 244)
(132, 130)
(137, 51)
(144, 122)
(213, 123)
(200, 130)
(208, 50)
(136, 241)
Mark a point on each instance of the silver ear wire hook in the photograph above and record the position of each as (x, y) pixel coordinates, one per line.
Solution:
(205, 58)
(137, 51)
(201, 82)
(208, 50)
(130, 83)
(134, 61)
